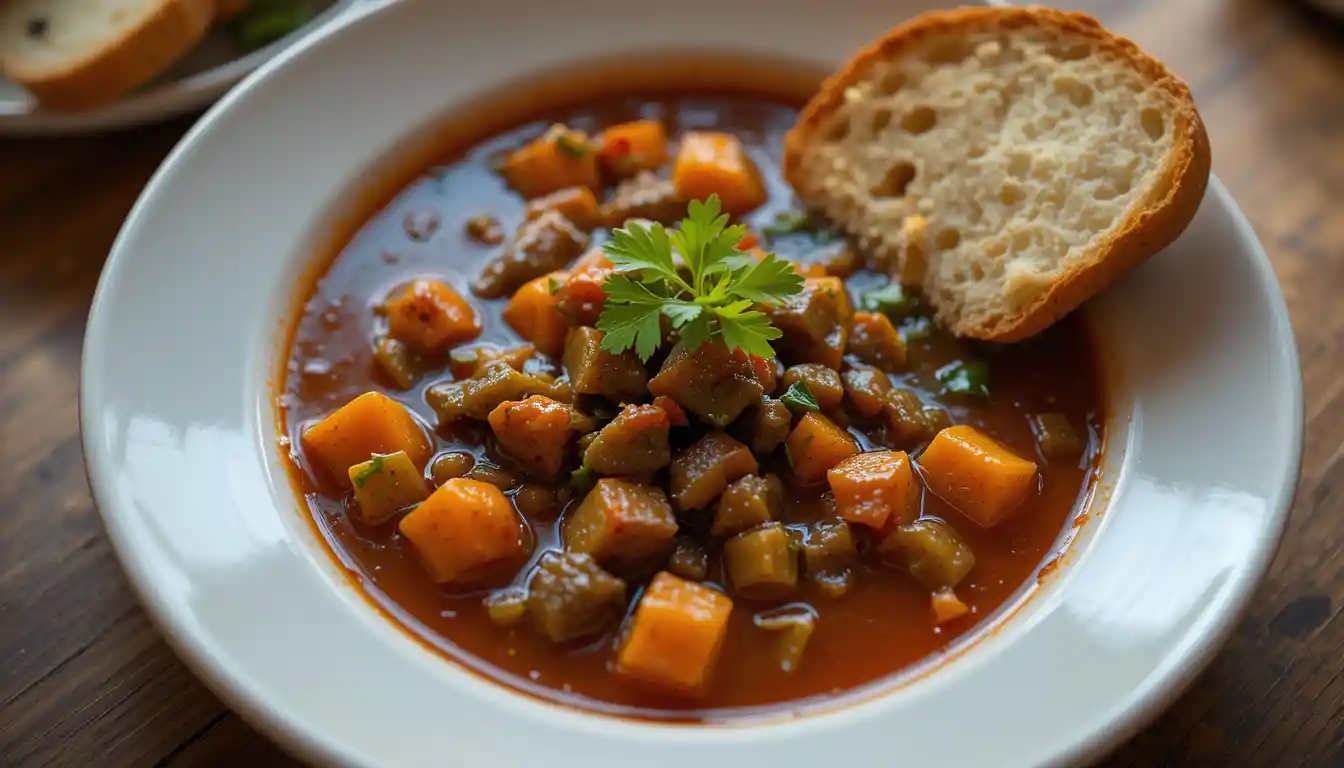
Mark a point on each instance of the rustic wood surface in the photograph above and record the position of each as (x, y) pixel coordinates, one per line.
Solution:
(86, 680)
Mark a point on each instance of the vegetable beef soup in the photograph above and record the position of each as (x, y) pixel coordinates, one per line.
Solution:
(594, 409)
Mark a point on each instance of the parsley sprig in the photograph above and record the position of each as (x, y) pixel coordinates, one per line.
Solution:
(714, 295)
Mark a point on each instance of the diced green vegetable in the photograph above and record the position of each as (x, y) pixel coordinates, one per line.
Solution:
(266, 21)
(892, 300)
(747, 503)
(965, 378)
(506, 607)
(569, 596)
(1056, 436)
(762, 562)
(396, 361)
(792, 626)
(931, 551)
(764, 425)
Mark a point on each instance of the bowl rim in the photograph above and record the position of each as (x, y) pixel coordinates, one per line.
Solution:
(309, 743)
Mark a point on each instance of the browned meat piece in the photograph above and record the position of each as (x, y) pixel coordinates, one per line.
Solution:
(644, 197)
(543, 245)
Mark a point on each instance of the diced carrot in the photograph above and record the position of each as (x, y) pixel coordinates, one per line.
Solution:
(710, 163)
(430, 316)
(560, 158)
(535, 431)
(748, 242)
(766, 373)
(581, 296)
(947, 606)
(632, 147)
(674, 638)
(620, 521)
(675, 414)
(384, 485)
(875, 488)
(980, 477)
(464, 528)
(371, 424)
(574, 203)
(816, 445)
(533, 312)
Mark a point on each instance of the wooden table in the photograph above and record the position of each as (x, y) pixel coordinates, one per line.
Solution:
(86, 680)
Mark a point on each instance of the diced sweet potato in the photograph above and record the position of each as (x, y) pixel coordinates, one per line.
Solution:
(534, 313)
(874, 340)
(762, 563)
(429, 317)
(628, 148)
(372, 423)
(822, 382)
(595, 371)
(875, 489)
(569, 596)
(867, 388)
(536, 432)
(816, 445)
(464, 529)
(709, 381)
(980, 477)
(578, 204)
(710, 163)
(704, 470)
(815, 322)
(385, 485)
(947, 606)
(675, 636)
(620, 522)
(560, 158)
(634, 442)
(931, 551)
(747, 503)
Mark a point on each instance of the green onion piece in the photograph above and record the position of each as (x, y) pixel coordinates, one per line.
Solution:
(962, 378)
(799, 397)
(891, 300)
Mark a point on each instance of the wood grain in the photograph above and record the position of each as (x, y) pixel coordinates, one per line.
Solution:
(86, 680)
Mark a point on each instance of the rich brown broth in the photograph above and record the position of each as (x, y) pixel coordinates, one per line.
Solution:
(881, 626)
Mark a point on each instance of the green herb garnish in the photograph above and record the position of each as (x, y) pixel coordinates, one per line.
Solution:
(375, 466)
(583, 479)
(891, 300)
(266, 21)
(961, 378)
(553, 286)
(572, 143)
(714, 296)
(799, 397)
(916, 329)
(786, 223)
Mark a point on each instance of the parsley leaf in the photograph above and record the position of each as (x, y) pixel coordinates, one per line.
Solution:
(916, 328)
(891, 300)
(375, 466)
(961, 378)
(799, 397)
(715, 294)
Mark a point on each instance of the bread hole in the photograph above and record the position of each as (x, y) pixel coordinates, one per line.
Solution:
(975, 151)
(946, 239)
(1021, 240)
(881, 119)
(919, 120)
(1078, 92)
(838, 130)
(891, 82)
(1104, 192)
(948, 52)
(1069, 51)
(1011, 194)
(1152, 123)
(893, 184)
(1019, 164)
(977, 271)
(1029, 132)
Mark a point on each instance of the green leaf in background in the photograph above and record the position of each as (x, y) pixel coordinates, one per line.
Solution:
(963, 378)
(266, 21)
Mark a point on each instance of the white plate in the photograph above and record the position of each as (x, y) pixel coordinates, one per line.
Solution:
(198, 79)
(185, 336)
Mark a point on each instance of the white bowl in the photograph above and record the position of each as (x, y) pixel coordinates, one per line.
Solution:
(184, 344)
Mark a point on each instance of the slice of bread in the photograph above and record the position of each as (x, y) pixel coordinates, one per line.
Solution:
(1009, 161)
(76, 54)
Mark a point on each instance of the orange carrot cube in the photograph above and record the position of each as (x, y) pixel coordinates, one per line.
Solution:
(534, 313)
(535, 431)
(372, 423)
(980, 477)
(816, 445)
(875, 489)
(463, 529)
(632, 147)
(675, 636)
(558, 159)
(430, 316)
(710, 163)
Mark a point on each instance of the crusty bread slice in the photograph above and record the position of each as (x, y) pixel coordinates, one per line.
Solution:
(76, 54)
(1009, 161)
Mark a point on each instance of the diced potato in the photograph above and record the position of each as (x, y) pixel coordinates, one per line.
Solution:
(429, 316)
(594, 371)
(908, 422)
(543, 245)
(947, 607)
(385, 485)
(674, 638)
(534, 313)
(702, 471)
(747, 503)
(816, 445)
(874, 340)
(578, 204)
(569, 596)
(536, 432)
(689, 560)
(762, 562)
(763, 426)
(395, 361)
(875, 489)
(1056, 436)
(372, 423)
(634, 442)
(621, 523)
(828, 548)
(709, 381)
(822, 382)
(629, 148)
(464, 529)
(560, 158)
(931, 551)
(980, 477)
(815, 322)
(506, 607)
(710, 163)
(867, 388)
(792, 628)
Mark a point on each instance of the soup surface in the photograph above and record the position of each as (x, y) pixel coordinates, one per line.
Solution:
(854, 604)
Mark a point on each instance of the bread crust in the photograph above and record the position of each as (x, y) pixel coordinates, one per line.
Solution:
(106, 74)
(1152, 223)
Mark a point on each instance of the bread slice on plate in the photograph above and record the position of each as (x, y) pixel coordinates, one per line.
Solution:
(1009, 161)
(76, 54)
